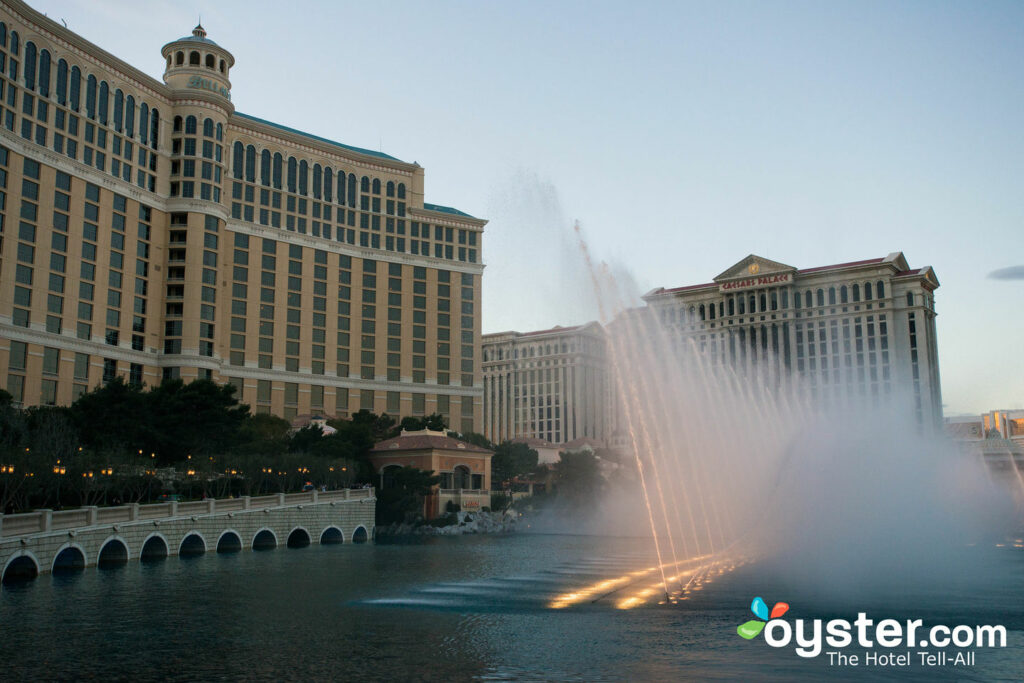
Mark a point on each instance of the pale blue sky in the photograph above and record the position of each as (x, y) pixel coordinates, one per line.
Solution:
(681, 136)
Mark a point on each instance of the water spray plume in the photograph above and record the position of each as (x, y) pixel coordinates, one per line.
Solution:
(740, 458)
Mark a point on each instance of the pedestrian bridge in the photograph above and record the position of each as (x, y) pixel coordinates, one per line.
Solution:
(54, 541)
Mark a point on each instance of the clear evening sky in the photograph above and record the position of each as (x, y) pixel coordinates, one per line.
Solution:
(681, 136)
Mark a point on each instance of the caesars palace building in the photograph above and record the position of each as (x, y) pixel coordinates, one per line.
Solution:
(865, 328)
(150, 231)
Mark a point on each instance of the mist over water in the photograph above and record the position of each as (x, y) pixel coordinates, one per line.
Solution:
(825, 487)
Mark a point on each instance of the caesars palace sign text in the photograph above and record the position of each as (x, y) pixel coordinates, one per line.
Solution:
(759, 281)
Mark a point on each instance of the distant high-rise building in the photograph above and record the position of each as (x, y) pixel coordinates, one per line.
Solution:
(863, 328)
(150, 231)
(550, 384)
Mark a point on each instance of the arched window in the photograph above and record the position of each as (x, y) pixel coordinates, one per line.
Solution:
(711, 312)
(129, 116)
(208, 128)
(193, 58)
(237, 160)
(303, 177)
(764, 302)
(741, 305)
(210, 62)
(751, 304)
(44, 73)
(250, 164)
(352, 189)
(808, 302)
(821, 297)
(843, 295)
(910, 298)
(3, 35)
(461, 477)
(104, 101)
(318, 179)
(30, 65)
(832, 296)
(775, 300)
(293, 174)
(364, 185)
(118, 110)
(867, 291)
(732, 305)
(401, 190)
(341, 187)
(328, 184)
(179, 58)
(785, 298)
(75, 88)
(391, 188)
(702, 312)
(62, 82)
(265, 168)
(856, 293)
(144, 122)
(220, 132)
(15, 46)
(178, 124)
(190, 125)
(90, 97)
(880, 289)
(796, 300)
(154, 128)
(278, 165)
(223, 67)
(376, 185)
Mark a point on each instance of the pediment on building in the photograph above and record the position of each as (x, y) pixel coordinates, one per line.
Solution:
(753, 266)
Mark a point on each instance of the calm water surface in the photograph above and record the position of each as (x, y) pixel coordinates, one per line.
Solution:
(462, 608)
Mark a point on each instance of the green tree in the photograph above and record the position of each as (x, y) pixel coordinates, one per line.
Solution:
(512, 459)
(401, 500)
(579, 477)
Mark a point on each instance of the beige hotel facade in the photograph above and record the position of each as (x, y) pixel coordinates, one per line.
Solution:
(548, 384)
(150, 231)
(857, 329)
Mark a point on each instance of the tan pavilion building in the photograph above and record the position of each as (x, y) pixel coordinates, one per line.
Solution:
(151, 231)
(465, 469)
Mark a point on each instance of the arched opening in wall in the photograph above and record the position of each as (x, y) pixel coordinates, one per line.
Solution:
(229, 542)
(193, 58)
(21, 568)
(359, 535)
(114, 553)
(71, 559)
(387, 476)
(154, 549)
(192, 545)
(264, 540)
(179, 58)
(223, 67)
(461, 477)
(331, 536)
(298, 538)
(210, 61)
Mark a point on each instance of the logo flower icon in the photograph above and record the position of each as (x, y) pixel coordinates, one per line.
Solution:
(753, 627)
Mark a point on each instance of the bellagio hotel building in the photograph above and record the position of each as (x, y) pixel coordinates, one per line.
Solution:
(151, 232)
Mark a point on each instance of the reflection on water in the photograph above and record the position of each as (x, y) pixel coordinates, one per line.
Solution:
(456, 608)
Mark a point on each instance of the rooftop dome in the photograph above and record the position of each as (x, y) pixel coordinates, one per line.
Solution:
(198, 36)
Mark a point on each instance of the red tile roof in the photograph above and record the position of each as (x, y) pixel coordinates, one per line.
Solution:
(421, 442)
